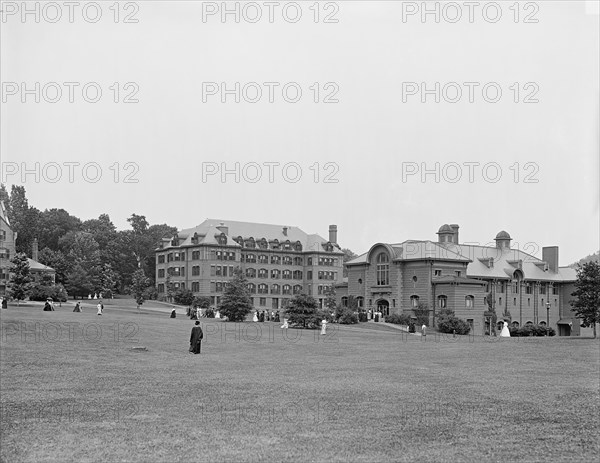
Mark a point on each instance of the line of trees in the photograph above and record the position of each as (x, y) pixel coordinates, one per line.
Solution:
(89, 256)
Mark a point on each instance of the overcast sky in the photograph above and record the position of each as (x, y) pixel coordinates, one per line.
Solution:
(358, 162)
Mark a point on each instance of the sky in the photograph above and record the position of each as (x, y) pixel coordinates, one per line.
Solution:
(368, 115)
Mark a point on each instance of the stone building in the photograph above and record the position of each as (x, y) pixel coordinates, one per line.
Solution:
(466, 278)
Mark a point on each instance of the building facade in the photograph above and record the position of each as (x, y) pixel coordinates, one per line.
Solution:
(8, 239)
(397, 278)
(278, 261)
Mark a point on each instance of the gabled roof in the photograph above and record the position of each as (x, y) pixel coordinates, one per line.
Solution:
(413, 250)
(3, 213)
(208, 230)
(37, 267)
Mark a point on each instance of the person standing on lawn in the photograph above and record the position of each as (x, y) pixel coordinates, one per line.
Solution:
(196, 338)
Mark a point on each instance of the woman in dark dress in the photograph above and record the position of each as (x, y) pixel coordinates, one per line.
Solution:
(196, 338)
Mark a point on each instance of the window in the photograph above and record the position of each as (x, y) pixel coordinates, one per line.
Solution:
(177, 257)
(275, 274)
(528, 288)
(195, 286)
(469, 302)
(219, 286)
(297, 289)
(442, 302)
(516, 287)
(500, 301)
(161, 258)
(196, 270)
(528, 301)
(515, 301)
(161, 288)
(170, 257)
(287, 245)
(360, 301)
(543, 288)
(458, 273)
(222, 239)
(297, 274)
(262, 301)
(298, 246)
(309, 275)
(543, 323)
(263, 273)
(263, 289)
(437, 273)
(554, 289)
(414, 301)
(344, 301)
(275, 244)
(287, 275)
(250, 243)
(298, 261)
(251, 273)
(500, 287)
(470, 322)
(287, 260)
(195, 255)
(263, 259)
(287, 289)
(383, 269)
(252, 288)
(275, 259)
(275, 289)
(231, 255)
(219, 271)
(309, 261)
(251, 258)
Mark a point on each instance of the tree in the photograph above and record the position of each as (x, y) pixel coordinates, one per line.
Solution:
(348, 255)
(201, 301)
(139, 283)
(422, 313)
(56, 260)
(79, 283)
(184, 297)
(20, 278)
(587, 292)
(329, 302)
(302, 310)
(236, 302)
(23, 218)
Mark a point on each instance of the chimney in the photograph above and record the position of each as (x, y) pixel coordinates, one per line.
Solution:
(333, 234)
(454, 228)
(34, 250)
(223, 229)
(285, 229)
(550, 255)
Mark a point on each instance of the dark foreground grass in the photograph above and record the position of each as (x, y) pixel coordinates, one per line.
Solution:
(79, 392)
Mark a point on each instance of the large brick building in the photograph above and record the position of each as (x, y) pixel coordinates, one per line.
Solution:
(278, 261)
(395, 278)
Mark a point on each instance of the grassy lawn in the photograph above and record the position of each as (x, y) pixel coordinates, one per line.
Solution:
(73, 389)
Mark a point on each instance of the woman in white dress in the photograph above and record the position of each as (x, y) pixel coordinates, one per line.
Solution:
(255, 318)
(505, 333)
(324, 326)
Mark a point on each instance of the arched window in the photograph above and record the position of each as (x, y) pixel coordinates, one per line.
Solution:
(263, 273)
(287, 275)
(344, 301)
(287, 289)
(275, 274)
(360, 302)
(222, 239)
(297, 274)
(251, 273)
(263, 244)
(298, 261)
(263, 289)
(515, 324)
(442, 302)
(469, 302)
(298, 246)
(383, 269)
(275, 289)
(275, 244)
(543, 323)
(297, 289)
(414, 301)
(252, 288)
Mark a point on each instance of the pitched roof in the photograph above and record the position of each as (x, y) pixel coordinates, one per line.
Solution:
(3, 213)
(36, 266)
(208, 230)
(414, 250)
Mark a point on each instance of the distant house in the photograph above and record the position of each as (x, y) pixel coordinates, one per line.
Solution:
(445, 274)
(8, 237)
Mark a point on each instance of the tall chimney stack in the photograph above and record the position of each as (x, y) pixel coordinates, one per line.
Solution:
(333, 234)
(454, 228)
(550, 255)
(34, 250)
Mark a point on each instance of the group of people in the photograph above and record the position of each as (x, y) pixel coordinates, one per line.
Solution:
(198, 313)
(266, 316)
(49, 307)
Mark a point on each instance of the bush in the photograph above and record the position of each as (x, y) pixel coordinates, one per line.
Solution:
(450, 324)
(347, 316)
(42, 292)
(531, 330)
(150, 293)
(398, 319)
(422, 313)
(184, 297)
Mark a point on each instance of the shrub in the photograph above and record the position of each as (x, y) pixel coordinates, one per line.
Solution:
(398, 319)
(450, 324)
(347, 317)
(42, 292)
(184, 297)
(422, 313)
(150, 293)
(531, 330)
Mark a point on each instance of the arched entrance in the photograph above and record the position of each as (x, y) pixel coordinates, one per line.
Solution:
(383, 306)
